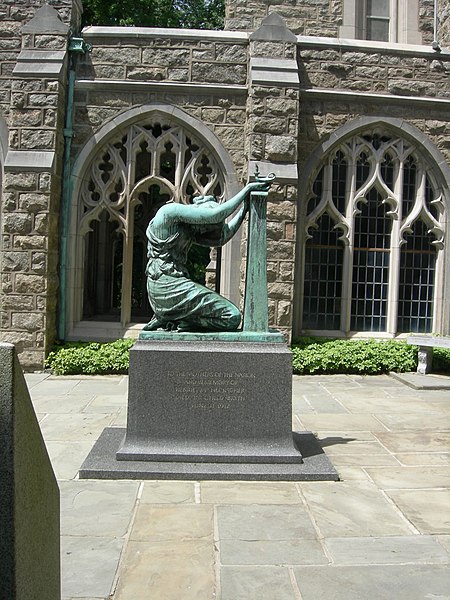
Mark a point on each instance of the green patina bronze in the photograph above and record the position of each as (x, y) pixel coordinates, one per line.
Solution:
(182, 305)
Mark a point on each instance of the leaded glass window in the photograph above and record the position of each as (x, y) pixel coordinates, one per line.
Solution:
(132, 176)
(374, 227)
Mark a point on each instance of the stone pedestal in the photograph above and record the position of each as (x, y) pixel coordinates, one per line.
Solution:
(216, 402)
(208, 410)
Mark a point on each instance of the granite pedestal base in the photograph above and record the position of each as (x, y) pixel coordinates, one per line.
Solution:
(208, 410)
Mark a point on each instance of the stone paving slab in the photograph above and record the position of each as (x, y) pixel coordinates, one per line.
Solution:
(74, 427)
(221, 492)
(269, 552)
(53, 386)
(170, 523)
(416, 441)
(170, 570)
(168, 492)
(349, 510)
(380, 405)
(67, 457)
(435, 421)
(402, 582)
(259, 522)
(256, 583)
(53, 404)
(89, 565)
(432, 459)
(97, 508)
(428, 510)
(415, 549)
(338, 422)
(412, 478)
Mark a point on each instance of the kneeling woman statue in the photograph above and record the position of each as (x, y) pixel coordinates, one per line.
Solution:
(178, 302)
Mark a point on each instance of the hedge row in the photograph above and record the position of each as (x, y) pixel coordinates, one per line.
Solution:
(90, 358)
(368, 357)
(309, 356)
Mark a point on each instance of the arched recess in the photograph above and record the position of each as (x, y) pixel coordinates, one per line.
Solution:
(373, 230)
(141, 159)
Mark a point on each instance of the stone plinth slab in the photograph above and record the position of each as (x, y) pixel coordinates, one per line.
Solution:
(101, 463)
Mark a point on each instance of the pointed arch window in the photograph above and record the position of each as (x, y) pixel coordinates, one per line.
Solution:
(129, 179)
(374, 235)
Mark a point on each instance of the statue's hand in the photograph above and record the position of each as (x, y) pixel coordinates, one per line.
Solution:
(260, 186)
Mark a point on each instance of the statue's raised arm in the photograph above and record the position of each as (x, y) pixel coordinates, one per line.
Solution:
(178, 302)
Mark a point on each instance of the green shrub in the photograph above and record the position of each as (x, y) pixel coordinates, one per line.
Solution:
(309, 356)
(368, 357)
(90, 358)
(441, 359)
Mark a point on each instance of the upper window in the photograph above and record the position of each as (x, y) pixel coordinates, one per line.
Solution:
(374, 232)
(374, 17)
(381, 20)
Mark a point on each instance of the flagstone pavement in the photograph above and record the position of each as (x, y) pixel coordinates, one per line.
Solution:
(381, 533)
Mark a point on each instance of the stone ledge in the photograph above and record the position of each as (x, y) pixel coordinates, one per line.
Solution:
(417, 381)
(369, 46)
(272, 71)
(39, 63)
(133, 86)
(95, 32)
(339, 95)
(29, 160)
(285, 173)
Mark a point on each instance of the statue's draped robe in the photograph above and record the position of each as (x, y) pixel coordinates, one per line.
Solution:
(173, 296)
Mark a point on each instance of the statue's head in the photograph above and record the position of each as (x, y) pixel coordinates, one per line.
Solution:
(203, 200)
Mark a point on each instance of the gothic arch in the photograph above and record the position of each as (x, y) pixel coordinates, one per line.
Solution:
(432, 155)
(106, 186)
(417, 220)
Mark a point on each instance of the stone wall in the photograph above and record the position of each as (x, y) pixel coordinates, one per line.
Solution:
(13, 15)
(34, 110)
(206, 78)
(318, 18)
(372, 82)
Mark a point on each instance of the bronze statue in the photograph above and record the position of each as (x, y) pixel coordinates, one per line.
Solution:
(178, 302)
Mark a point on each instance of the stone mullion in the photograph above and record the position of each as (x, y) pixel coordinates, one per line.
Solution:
(394, 259)
(128, 235)
(347, 268)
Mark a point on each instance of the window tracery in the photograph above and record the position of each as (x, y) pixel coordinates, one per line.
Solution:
(378, 194)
